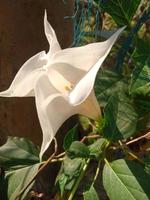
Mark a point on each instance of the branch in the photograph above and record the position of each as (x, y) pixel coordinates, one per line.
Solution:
(139, 138)
(40, 169)
(90, 137)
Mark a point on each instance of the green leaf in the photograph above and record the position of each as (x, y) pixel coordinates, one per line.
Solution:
(120, 10)
(20, 159)
(70, 170)
(142, 104)
(107, 84)
(140, 81)
(18, 152)
(120, 118)
(96, 149)
(3, 186)
(62, 180)
(147, 162)
(91, 194)
(85, 122)
(142, 51)
(18, 179)
(70, 184)
(72, 167)
(70, 137)
(126, 180)
(78, 149)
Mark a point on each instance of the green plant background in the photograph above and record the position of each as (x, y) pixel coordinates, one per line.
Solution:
(108, 163)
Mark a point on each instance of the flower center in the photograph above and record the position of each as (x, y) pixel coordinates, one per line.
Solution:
(68, 88)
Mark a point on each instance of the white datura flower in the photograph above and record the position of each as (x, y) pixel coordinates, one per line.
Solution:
(62, 82)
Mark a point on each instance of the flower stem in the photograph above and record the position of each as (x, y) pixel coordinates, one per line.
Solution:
(135, 157)
(139, 138)
(40, 169)
(127, 151)
(78, 181)
(97, 172)
(89, 137)
(60, 155)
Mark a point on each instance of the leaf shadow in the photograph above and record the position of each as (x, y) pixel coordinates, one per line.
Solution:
(141, 176)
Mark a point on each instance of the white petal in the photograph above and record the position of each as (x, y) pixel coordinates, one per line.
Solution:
(23, 82)
(64, 76)
(53, 109)
(90, 107)
(85, 85)
(51, 37)
(85, 57)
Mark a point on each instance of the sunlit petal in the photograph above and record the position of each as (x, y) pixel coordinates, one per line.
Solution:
(64, 76)
(51, 37)
(90, 107)
(86, 84)
(53, 109)
(85, 57)
(24, 80)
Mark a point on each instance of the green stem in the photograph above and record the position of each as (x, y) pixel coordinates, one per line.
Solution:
(78, 181)
(127, 151)
(97, 172)
(136, 157)
(57, 160)
(106, 161)
(54, 160)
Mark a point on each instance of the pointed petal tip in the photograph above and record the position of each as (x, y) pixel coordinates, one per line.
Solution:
(115, 36)
(44, 147)
(6, 93)
(45, 17)
(45, 14)
(83, 88)
(49, 32)
(122, 29)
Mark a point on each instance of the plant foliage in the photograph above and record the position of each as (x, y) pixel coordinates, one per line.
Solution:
(111, 160)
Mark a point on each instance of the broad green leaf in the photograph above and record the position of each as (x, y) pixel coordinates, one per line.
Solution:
(96, 149)
(143, 122)
(142, 104)
(18, 152)
(142, 51)
(91, 194)
(126, 180)
(107, 84)
(78, 149)
(70, 170)
(147, 163)
(122, 11)
(20, 159)
(70, 137)
(140, 81)
(120, 118)
(72, 167)
(17, 180)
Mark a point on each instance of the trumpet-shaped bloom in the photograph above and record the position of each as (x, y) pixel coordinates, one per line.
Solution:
(62, 82)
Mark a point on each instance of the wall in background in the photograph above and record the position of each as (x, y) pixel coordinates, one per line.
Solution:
(22, 36)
